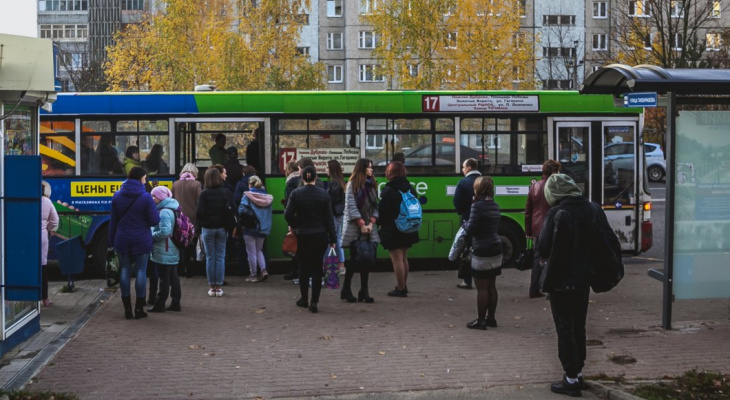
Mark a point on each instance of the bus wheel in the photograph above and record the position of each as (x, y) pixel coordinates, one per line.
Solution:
(513, 240)
(98, 251)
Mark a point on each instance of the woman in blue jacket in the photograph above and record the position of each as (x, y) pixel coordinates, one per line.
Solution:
(260, 202)
(165, 254)
(133, 214)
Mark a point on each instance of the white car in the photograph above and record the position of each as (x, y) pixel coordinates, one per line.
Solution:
(621, 155)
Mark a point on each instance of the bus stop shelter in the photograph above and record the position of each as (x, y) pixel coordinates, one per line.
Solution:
(697, 150)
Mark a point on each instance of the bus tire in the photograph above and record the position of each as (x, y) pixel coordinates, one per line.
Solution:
(98, 251)
(513, 240)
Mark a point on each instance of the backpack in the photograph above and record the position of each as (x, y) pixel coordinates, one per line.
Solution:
(410, 216)
(231, 219)
(607, 266)
(249, 220)
(183, 230)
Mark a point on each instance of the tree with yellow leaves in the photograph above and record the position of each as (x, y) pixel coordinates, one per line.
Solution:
(452, 44)
(233, 44)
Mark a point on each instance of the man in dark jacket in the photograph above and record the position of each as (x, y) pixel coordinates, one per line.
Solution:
(566, 239)
(535, 211)
(463, 196)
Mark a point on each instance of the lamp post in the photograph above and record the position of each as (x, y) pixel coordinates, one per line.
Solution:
(575, 65)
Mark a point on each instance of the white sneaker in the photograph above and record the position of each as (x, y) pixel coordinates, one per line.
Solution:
(219, 293)
(211, 293)
(295, 281)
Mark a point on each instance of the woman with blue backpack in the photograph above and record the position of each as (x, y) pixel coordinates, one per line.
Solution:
(165, 254)
(255, 210)
(398, 232)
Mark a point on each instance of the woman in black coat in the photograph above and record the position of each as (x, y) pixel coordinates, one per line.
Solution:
(486, 260)
(396, 242)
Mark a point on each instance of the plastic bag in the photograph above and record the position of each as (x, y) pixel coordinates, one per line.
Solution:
(112, 268)
(331, 269)
(200, 250)
(458, 246)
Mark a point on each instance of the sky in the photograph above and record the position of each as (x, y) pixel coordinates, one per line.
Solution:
(19, 17)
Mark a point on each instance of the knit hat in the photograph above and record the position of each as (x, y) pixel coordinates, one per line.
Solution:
(558, 187)
(161, 193)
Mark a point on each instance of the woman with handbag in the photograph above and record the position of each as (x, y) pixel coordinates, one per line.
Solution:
(336, 190)
(396, 242)
(259, 202)
(309, 214)
(133, 213)
(213, 218)
(360, 217)
(486, 259)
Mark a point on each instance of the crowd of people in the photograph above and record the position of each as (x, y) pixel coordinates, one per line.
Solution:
(333, 214)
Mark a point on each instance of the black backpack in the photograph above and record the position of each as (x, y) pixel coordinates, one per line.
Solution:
(249, 220)
(607, 266)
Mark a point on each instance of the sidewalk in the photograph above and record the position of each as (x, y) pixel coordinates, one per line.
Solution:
(254, 342)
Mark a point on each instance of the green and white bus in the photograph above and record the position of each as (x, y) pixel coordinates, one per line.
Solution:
(510, 133)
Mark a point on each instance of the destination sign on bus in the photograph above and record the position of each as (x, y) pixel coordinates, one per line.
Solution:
(475, 103)
(346, 156)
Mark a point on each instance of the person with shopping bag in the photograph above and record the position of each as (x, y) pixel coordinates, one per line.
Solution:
(309, 214)
(361, 215)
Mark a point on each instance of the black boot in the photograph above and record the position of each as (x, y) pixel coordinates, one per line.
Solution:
(127, 301)
(363, 295)
(139, 308)
(346, 294)
(158, 307)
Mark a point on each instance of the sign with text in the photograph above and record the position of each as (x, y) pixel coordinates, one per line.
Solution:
(643, 99)
(346, 156)
(474, 103)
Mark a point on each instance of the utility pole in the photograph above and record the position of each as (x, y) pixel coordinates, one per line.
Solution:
(575, 65)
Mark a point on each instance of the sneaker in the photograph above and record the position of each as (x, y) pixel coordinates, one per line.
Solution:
(567, 388)
(477, 324)
(397, 293)
(343, 271)
(295, 281)
(302, 303)
(211, 292)
(264, 275)
(219, 293)
(582, 383)
(463, 285)
(250, 279)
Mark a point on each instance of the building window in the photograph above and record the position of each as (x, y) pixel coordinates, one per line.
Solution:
(334, 8)
(677, 9)
(558, 19)
(63, 5)
(367, 40)
(334, 73)
(451, 40)
(64, 32)
(639, 8)
(551, 52)
(676, 41)
(334, 41)
(370, 73)
(375, 142)
(368, 6)
(557, 84)
(713, 41)
(648, 39)
(413, 70)
(600, 9)
(714, 8)
(303, 51)
(599, 42)
(136, 5)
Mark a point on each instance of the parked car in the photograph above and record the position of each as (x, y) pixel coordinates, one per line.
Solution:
(621, 155)
(445, 155)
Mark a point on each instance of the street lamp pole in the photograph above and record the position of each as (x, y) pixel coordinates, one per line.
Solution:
(575, 65)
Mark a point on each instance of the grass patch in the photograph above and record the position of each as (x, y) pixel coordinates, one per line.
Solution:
(67, 289)
(37, 395)
(692, 385)
(606, 378)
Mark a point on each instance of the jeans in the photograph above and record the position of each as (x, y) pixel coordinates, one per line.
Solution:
(569, 314)
(168, 278)
(137, 264)
(255, 252)
(214, 242)
(338, 245)
(154, 279)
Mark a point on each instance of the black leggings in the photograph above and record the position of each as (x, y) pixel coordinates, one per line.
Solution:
(310, 255)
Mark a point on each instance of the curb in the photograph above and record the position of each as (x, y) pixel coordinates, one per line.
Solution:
(606, 392)
(49, 351)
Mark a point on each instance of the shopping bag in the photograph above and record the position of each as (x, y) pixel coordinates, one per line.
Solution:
(331, 269)
(289, 247)
(458, 246)
(112, 268)
(199, 250)
(525, 258)
(362, 254)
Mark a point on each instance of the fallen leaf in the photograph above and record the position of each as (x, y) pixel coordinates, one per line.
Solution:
(238, 367)
(194, 347)
(325, 337)
(382, 353)
(260, 311)
(333, 376)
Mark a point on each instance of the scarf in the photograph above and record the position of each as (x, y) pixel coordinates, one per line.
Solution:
(367, 197)
(187, 176)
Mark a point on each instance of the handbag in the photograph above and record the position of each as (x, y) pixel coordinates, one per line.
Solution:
(289, 246)
(464, 260)
(362, 253)
(458, 246)
(526, 257)
(331, 269)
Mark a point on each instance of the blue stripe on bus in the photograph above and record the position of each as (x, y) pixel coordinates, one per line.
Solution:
(101, 104)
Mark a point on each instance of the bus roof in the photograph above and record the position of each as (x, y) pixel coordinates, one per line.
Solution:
(301, 102)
